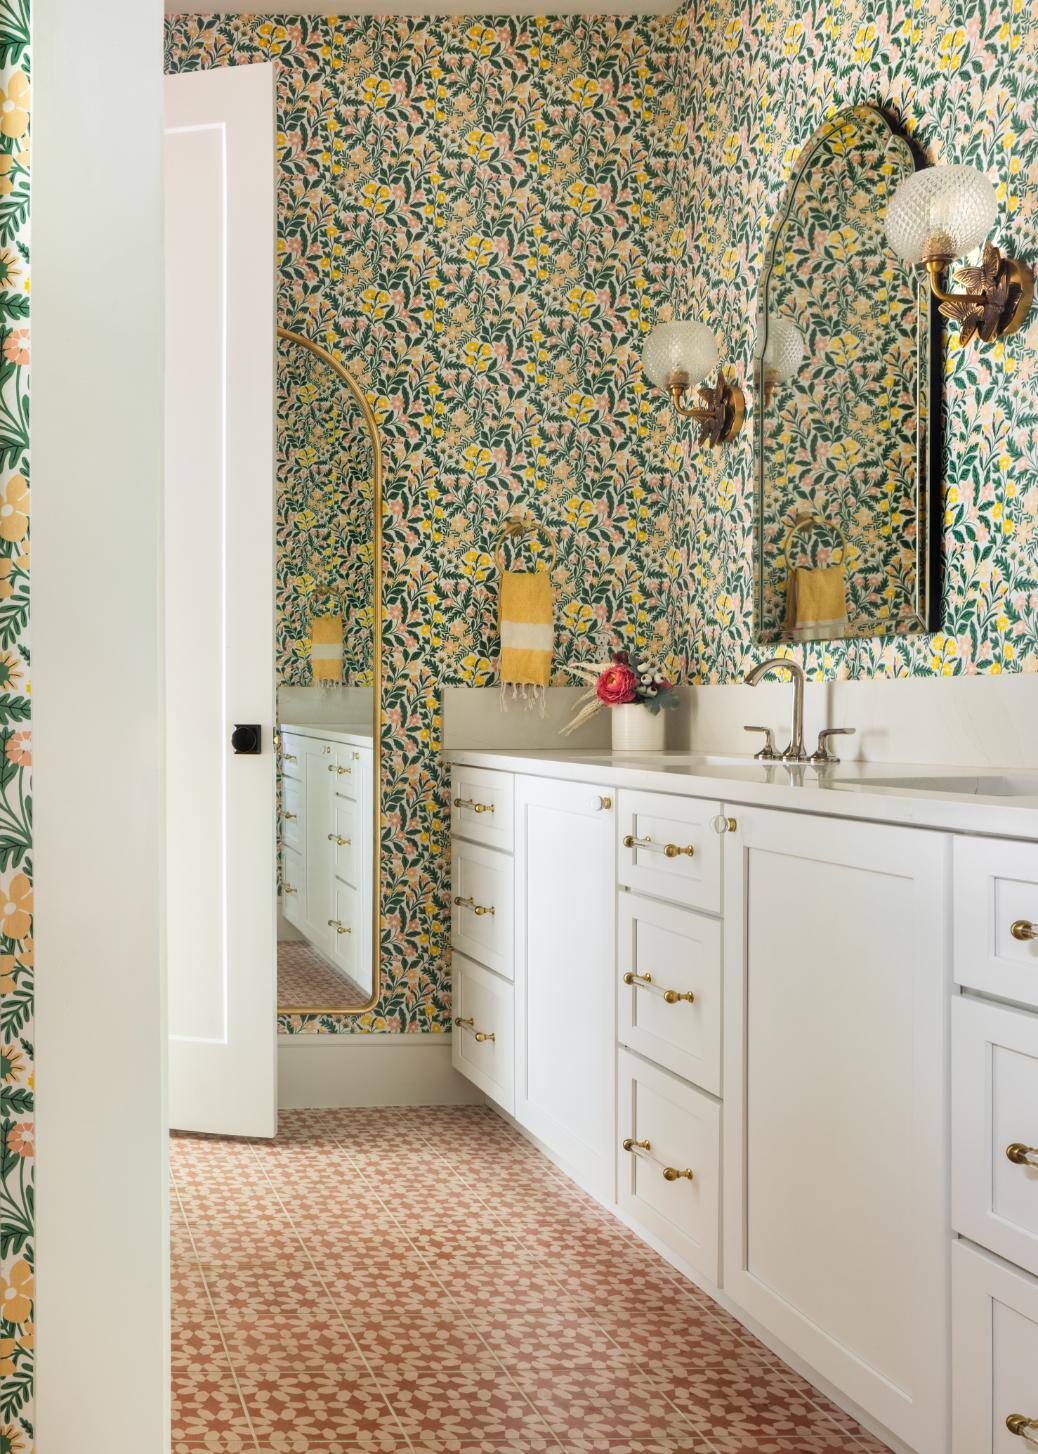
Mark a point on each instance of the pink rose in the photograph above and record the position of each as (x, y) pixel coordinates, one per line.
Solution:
(617, 685)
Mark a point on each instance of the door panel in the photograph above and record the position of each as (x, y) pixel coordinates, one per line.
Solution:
(219, 586)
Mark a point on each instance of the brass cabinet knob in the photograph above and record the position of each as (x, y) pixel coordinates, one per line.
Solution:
(343, 771)
(339, 928)
(1024, 930)
(671, 1173)
(629, 1143)
(290, 817)
(602, 805)
(1021, 1155)
(673, 851)
(724, 825)
(339, 841)
(289, 757)
(476, 807)
(478, 909)
(480, 1036)
(1022, 1426)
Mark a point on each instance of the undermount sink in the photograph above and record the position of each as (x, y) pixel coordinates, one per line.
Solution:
(994, 785)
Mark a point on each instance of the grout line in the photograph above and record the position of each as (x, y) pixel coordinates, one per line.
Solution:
(338, 1313)
(216, 1318)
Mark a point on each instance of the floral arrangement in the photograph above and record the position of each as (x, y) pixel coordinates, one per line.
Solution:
(620, 683)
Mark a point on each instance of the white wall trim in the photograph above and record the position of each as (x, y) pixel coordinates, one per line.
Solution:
(102, 1236)
(370, 1070)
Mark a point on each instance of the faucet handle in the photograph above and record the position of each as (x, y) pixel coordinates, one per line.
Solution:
(767, 752)
(822, 753)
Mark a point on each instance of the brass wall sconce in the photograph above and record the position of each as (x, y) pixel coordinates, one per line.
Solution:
(677, 356)
(941, 213)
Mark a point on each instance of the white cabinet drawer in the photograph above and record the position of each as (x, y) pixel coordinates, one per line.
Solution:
(670, 847)
(481, 806)
(995, 1130)
(346, 840)
(347, 766)
(996, 908)
(293, 814)
(665, 954)
(666, 1130)
(483, 1035)
(344, 929)
(292, 883)
(994, 1355)
(481, 904)
(293, 750)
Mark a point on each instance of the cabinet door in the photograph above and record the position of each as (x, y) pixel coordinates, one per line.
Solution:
(319, 768)
(995, 1356)
(837, 985)
(565, 1075)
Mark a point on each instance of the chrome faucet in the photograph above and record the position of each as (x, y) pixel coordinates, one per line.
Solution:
(795, 752)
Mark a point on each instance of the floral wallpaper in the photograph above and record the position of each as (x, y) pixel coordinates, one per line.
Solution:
(755, 80)
(17, 1254)
(473, 214)
(325, 526)
(844, 456)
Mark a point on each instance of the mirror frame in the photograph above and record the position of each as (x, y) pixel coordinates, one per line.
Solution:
(929, 533)
(371, 424)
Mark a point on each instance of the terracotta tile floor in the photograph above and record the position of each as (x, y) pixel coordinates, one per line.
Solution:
(423, 1280)
(306, 979)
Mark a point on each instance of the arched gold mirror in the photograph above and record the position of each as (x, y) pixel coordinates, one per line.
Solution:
(328, 670)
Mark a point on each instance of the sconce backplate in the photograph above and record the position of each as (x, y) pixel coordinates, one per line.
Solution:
(724, 409)
(996, 297)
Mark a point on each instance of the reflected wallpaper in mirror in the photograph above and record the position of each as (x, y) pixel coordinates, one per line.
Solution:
(325, 520)
(843, 414)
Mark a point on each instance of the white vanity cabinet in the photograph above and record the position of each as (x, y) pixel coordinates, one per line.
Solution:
(835, 1204)
(327, 844)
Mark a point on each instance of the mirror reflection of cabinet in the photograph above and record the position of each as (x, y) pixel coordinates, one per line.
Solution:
(844, 416)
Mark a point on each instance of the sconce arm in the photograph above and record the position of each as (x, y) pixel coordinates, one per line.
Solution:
(996, 299)
(722, 412)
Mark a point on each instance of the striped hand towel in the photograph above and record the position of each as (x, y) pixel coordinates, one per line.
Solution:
(527, 637)
(326, 648)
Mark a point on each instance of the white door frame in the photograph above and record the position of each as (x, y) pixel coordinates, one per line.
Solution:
(102, 1240)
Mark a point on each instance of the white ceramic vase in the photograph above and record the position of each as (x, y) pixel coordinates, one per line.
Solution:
(636, 729)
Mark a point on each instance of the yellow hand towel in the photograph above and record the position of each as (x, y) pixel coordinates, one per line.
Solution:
(816, 601)
(527, 638)
(326, 648)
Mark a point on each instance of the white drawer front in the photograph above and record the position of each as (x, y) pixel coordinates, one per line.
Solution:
(293, 814)
(996, 909)
(481, 806)
(995, 1129)
(656, 832)
(994, 1355)
(345, 839)
(345, 929)
(679, 953)
(482, 905)
(482, 1038)
(682, 1127)
(292, 884)
(293, 750)
(349, 771)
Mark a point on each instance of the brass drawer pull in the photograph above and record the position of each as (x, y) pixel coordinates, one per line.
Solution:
(289, 757)
(725, 825)
(1021, 1155)
(1024, 930)
(478, 909)
(290, 817)
(646, 981)
(669, 850)
(476, 807)
(339, 928)
(340, 842)
(644, 1148)
(480, 1036)
(344, 771)
(289, 889)
(1023, 1427)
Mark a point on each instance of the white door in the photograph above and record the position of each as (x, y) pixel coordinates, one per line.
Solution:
(219, 590)
(835, 1105)
(565, 993)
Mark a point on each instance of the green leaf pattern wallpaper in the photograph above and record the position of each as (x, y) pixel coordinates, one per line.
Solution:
(17, 1254)
(484, 217)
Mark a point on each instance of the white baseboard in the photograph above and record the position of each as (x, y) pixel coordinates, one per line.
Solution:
(369, 1070)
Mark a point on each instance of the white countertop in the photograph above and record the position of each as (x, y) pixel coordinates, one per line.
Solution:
(847, 790)
(354, 736)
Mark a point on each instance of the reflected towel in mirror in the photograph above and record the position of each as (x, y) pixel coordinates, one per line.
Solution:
(326, 636)
(816, 601)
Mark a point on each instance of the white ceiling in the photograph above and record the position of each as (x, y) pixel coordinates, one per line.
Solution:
(415, 7)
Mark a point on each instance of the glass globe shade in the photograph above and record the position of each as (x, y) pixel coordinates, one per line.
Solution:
(685, 347)
(784, 349)
(940, 212)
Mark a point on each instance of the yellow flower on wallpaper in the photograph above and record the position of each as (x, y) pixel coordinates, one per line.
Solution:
(581, 408)
(480, 250)
(476, 565)
(579, 617)
(271, 37)
(585, 91)
(377, 91)
(14, 508)
(951, 49)
(375, 302)
(582, 302)
(374, 197)
(482, 39)
(476, 670)
(578, 512)
(793, 39)
(582, 197)
(864, 46)
(478, 355)
(478, 460)
(480, 144)
(14, 106)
